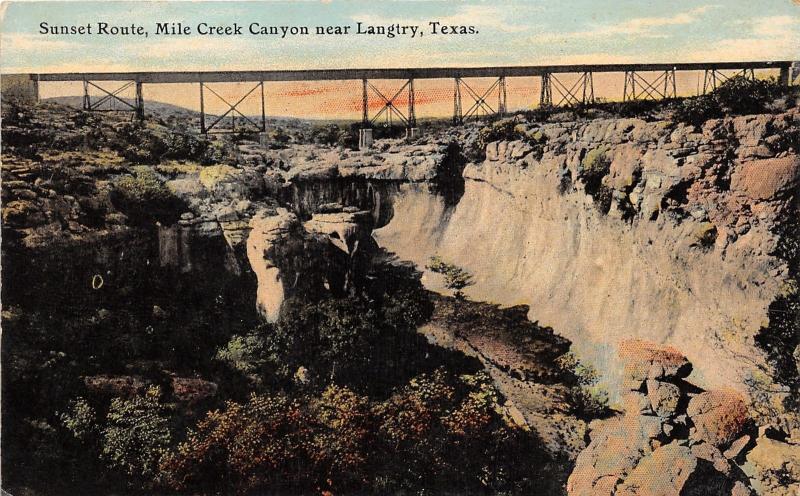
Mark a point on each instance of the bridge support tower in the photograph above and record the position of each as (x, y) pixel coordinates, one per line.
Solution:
(581, 92)
(480, 105)
(112, 98)
(662, 86)
(389, 112)
(233, 110)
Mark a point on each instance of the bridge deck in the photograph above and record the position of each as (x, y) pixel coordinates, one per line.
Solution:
(399, 73)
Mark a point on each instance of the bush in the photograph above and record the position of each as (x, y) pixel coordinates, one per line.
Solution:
(185, 146)
(243, 447)
(80, 420)
(697, 110)
(136, 435)
(736, 96)
(330, 135)
(455, 278)
(277, 137)
(587, 398)
(366, 345)
(741, 95)
(138, 144)
(438, 433)
(143, 197)
(243, 353)
(594, 167)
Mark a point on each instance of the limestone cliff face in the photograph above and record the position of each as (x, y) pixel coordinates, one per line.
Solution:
(624, 228)
(266, 231)
(325, 253)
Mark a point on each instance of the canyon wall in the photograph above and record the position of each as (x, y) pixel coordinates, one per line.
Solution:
(677, 243)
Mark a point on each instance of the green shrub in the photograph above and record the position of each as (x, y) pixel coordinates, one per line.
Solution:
(243, 353)
(455, 278)
(738, 95)
(80, 420)
(143, 197)
(587, 398)
(181, 145)
(136, 435)
(697, 110)
(741, 95)
(594, 167)
(138, 144)
(277, 136)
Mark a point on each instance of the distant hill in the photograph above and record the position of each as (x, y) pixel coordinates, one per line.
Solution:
(160, 109)
(167, 110)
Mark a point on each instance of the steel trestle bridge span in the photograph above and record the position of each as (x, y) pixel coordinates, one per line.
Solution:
(641, 82)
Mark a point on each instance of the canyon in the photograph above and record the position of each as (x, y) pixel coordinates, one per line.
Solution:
(658, 253)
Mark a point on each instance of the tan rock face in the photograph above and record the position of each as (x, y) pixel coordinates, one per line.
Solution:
(765, 179)
(266, 231)
(685, 255)
(777, 465)
(718, 416)
(344, 229)
(664, 473)
(613, 453)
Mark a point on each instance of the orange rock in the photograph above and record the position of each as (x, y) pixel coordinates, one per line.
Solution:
(645, 360)
(664, 473)
(718, 416)
(765, 179)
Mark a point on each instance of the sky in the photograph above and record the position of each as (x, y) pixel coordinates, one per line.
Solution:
(509, 33)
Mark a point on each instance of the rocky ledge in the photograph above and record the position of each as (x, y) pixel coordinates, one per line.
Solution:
(675, 438)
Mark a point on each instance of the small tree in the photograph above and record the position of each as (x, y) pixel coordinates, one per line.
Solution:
(455, 278)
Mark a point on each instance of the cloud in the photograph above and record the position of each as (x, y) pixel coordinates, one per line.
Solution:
(638, 27)
(24, 42)
(775, 26)
(769, 38)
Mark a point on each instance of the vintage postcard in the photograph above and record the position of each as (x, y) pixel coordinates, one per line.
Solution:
(332, 248)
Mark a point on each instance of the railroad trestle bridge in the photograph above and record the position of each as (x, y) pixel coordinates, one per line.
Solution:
(640, 82)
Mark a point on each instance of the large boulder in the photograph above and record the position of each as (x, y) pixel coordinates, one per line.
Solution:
(650, 451)
(645, 360)
(663, 473)
(664, 397)
(617, 447)
(776, 466)
(718, 416)
(768, 178)
(345, 230)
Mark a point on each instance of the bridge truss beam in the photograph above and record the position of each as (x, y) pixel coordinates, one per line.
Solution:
(389, 110)
(713, 78)
(580, 92)
(233, 109)
(638, 87)
(480, 103)
(112, 97)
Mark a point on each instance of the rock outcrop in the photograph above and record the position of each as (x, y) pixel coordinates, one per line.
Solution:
(267, 229)
(395, 160)
(672, 438)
